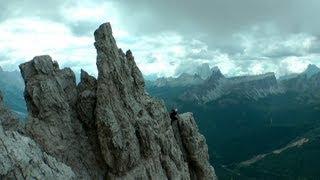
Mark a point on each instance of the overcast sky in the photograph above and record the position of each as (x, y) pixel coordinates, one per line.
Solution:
(167, 37)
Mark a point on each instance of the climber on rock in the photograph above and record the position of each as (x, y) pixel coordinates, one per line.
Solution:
(174, 115)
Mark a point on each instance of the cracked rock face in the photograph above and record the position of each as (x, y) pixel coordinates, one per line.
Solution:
(109, 127)
(134, 130)
(195, 147)
(21, 157)
(51, 96)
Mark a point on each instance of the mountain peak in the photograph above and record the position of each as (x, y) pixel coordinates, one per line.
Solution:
(203, 70)
(215, 68)
(311, 70)
(215, 76)
(184, 75)
(216, 73)
(312, 66)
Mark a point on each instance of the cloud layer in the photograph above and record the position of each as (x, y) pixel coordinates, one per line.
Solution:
(167, 37)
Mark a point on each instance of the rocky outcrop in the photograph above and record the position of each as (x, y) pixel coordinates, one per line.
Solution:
(109, 128)
(51, 96)
(134, 129)
(21, 157)
(194, 147)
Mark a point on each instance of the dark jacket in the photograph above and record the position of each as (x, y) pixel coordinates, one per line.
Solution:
(173, 115)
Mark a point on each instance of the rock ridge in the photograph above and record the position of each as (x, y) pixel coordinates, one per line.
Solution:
(109, 127)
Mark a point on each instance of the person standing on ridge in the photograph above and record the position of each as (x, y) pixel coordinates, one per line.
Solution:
(174, 115)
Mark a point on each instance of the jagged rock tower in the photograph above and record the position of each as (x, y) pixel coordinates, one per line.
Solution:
(109, 128)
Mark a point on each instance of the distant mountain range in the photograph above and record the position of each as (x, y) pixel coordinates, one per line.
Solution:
(245, 118)
(12, 86)
(216, 85)
(201, 73)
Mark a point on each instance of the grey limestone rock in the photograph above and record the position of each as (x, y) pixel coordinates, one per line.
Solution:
(109, 127)
(134, 129)
(51, 96)
(23, 158)
(195, 148)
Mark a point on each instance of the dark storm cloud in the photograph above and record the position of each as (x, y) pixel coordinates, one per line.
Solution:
(315, 48)
(224, 16)
(18, 8)
(202, 54)
(51, 10)
(234, 34)
(82, 28)
(215, 21)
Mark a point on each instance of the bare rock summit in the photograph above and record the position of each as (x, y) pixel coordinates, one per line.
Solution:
(104, 128)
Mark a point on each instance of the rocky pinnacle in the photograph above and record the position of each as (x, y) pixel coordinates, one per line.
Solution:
(109, 127)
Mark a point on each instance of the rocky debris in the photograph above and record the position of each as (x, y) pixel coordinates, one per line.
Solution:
(21, 157)
(109, 128)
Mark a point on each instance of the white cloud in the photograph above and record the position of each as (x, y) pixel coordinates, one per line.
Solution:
(91, 14)
(266, 41)
(166, 49)
(166, 53)
(294, 64)
(25, 38)
(85, 11)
